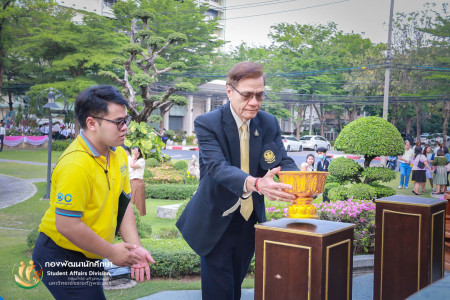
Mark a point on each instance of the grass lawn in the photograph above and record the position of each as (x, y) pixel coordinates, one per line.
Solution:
(36, 155)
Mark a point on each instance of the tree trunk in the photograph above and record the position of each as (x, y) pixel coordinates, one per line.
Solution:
(299, 120)
(10, 101)
(321, 118)
(408, 124)
(445, 122)
(367, 161)
(339, 123)
(395, 114)
(310, 118)
(418, 111)
(353, 117)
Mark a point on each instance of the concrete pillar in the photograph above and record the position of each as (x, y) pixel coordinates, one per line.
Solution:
(208, 104)
(190, 115)
(292, 119)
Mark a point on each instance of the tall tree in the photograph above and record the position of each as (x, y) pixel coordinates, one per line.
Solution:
(165, 37)
(17, 18)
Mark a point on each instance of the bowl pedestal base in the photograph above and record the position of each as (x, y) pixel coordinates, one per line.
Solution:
(302, 209)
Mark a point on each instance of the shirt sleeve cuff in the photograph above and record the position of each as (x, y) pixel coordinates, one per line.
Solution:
(245, 194)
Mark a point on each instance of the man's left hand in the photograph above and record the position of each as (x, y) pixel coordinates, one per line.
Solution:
(138, 269)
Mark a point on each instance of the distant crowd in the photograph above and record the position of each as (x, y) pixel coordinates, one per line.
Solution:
(59, 131)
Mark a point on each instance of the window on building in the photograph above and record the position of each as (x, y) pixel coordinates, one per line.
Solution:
(109, 3)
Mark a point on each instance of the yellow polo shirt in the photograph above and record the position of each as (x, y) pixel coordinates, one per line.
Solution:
(82, 189)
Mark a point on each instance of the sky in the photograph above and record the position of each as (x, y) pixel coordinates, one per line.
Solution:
(370, 17)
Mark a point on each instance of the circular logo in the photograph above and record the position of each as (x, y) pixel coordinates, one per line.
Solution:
(60, 196)
(269, 156)
(68, 198)
(27, 276)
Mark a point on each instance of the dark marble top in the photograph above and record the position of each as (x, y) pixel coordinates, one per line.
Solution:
(306, 226)
(411, 200)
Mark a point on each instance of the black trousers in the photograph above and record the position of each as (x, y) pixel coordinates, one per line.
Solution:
(1, 141)
(68, 274)
(223, 270)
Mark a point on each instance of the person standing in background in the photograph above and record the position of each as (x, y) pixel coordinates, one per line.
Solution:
(405, 165)
(309, 164)
(137, 168)
(2, 135)
(429, 154)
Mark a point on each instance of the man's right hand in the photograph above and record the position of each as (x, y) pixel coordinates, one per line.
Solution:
(122, 256)
(274, 190)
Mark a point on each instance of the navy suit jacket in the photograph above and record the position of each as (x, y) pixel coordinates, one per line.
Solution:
(221, 179)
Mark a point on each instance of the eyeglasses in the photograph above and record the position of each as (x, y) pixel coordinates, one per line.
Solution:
(249, 95)
(119, 123)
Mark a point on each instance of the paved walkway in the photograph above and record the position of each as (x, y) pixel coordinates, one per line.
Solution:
(362, 290)
(14, 190)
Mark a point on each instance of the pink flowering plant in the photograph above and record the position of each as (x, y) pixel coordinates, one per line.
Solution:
(276, 211)
(359, 212)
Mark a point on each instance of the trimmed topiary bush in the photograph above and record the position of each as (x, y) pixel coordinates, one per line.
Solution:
(338, 193)
(328, 187)
(169, 191)
(345, 169)
(331, 178)
(361, 191)
(382, 190)
(151, 162)
(371, 137)
(378, 174)
(180, 165)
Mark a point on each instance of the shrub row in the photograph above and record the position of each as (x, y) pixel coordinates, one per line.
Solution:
(169, 191)
(60, 145)
(359, 191)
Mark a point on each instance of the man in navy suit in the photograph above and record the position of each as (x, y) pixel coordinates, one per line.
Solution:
(218, 222)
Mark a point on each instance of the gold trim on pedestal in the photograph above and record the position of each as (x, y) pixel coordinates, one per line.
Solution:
(296, 231)
(443, 244)
(289, 245)
(408, 203)
(348, 267)
(382, 246)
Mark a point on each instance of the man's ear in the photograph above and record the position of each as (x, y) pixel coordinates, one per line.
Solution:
(91, 123)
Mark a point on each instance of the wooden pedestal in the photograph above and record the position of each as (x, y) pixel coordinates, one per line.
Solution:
(447, 232)
(303, 259)
(409, 245)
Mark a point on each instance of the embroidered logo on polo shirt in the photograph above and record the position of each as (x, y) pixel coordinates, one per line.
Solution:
(67, 198)
(269, 156)
(123, 169)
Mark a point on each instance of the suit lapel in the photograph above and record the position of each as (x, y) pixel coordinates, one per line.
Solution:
(232, 134)
(256, 134)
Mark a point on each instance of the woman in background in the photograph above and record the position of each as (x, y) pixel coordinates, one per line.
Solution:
(418, 172)
(405, 167)
(309, 164)
(440, 177)
(429, 154)
(137, 167)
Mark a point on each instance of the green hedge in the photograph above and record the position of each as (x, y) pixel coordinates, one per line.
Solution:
(174, 258)
(361, 191)
(382, 190)
(338, 193)
(60, 145)
(151, 162)
(329, 186)
(180, 165)
(378, 173)
(169, 191)
(345, 169)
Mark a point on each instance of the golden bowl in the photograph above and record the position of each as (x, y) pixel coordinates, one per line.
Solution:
(304, 184)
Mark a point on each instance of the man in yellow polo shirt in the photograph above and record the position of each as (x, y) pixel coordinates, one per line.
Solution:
(89, 203)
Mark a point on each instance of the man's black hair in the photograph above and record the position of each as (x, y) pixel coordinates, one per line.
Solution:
(322, 149)
(93, 102)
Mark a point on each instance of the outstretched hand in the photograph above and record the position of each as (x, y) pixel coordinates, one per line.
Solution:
(274, 190)
(141, 267)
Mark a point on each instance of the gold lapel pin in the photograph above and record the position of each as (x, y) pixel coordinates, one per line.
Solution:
(256, 132)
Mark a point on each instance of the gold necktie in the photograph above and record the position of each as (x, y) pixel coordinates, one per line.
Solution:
(247, 204)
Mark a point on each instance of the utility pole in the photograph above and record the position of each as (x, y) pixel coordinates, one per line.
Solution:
(387, 74)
